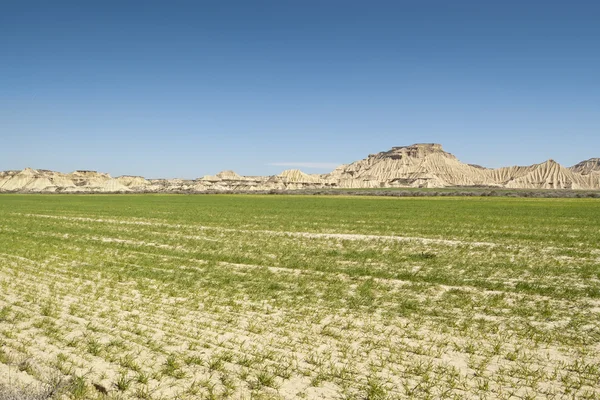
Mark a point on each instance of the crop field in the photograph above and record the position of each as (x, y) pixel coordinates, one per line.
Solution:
(308, 297)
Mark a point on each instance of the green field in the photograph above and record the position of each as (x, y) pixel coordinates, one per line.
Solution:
(224, 296)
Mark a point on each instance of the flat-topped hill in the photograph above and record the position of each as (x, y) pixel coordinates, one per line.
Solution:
(420, 165)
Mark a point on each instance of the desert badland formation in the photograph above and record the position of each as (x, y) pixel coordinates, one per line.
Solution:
(420, 165)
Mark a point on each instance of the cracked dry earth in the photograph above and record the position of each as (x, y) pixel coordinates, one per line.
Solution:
(140, 304)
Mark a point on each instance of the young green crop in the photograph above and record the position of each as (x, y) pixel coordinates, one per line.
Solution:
(173, 296)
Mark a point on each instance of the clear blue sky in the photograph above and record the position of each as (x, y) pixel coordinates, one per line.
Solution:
(187, 88)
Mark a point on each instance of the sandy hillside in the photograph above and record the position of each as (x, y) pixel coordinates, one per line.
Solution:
(421, 165)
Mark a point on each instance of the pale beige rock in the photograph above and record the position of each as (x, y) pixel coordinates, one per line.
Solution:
(586, 167)
(210, 178)
(88, 178)
(18, 180)
(295, 175)
(428, 165)
(593, 179)
(90, 174)
(420, 165)
(113, 185)
(549, 175)
(502, 176)
(31, 180)
(60, 180)
(229, 175)
(133, 181)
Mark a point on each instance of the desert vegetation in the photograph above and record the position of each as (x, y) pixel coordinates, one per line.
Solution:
(280, 297)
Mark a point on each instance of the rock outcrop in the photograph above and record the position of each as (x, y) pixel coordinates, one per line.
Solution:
(133, 181)
(548, 175)
(423, 165)
(31, 180)
(297, 176)
(587, 167)
(419, 165)
(229, 176)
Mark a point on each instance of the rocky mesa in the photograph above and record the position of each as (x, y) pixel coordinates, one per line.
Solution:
(422, 165)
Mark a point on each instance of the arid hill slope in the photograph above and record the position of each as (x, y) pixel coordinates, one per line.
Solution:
(420, 165)
(428, 165)
(587, 167)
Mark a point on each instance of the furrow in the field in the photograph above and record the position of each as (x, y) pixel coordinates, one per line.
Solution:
(500, 280)
(548, 254)
(106, 367)
(219, 328)
(267, 360)
(178, 246)
(387, 283)
(177, 327)
(346, 236)
(341, 275)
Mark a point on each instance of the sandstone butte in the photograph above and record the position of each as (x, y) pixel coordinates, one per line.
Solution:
(424, 165)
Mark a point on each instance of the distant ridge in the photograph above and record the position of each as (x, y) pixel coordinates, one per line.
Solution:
(587, 167)
(295, 175)
(421, 165)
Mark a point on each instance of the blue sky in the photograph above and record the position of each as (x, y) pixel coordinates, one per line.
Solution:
(188, 88)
